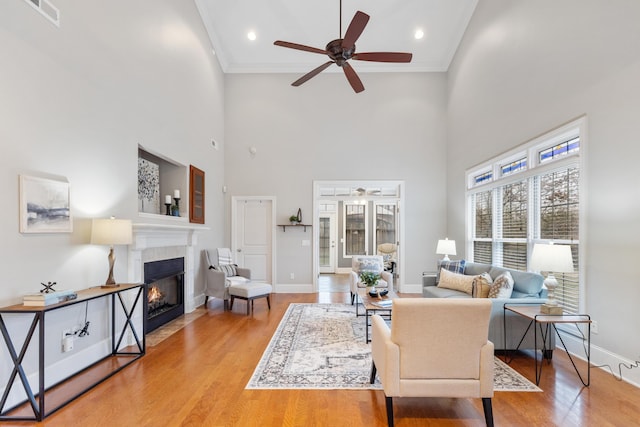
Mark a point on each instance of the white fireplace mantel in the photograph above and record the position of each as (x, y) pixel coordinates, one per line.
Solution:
(151, 240)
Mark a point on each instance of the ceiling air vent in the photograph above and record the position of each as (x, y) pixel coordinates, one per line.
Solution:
(46, 9)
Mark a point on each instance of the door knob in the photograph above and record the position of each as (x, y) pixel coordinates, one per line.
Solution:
(239, 250)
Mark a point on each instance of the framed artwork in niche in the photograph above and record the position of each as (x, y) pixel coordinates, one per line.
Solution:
(148, 186)
(196, 195)
(45, 205)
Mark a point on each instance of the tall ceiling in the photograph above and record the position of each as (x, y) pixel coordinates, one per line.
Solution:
(391, 27)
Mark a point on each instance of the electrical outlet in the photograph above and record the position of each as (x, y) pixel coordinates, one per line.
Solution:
(594, 326)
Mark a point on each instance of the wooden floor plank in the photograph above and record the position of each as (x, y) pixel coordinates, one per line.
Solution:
(197, 377)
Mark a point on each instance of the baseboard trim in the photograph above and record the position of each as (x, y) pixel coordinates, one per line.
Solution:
(293, 288)
(601, 358)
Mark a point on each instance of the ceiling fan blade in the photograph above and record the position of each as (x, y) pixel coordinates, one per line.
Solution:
(383, 56)
(311, 74)
(353, 78)
(356, 27)
(300, 47)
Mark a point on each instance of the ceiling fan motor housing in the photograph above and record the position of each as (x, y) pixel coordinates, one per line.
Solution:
(339, 53)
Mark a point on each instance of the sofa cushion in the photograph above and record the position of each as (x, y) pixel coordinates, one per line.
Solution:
(525, 283)
(454, 266)
(436, 292)
(455, 281)
(481, 285)
(502, 287)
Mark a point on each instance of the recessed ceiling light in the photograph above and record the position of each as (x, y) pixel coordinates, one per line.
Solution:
(251, 35)
(418, 34)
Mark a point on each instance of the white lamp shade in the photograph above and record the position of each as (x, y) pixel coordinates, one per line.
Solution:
(552, 258)
(446, 247)
(111, 232)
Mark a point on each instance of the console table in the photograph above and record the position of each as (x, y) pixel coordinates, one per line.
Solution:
(544, 322)
(35, 406)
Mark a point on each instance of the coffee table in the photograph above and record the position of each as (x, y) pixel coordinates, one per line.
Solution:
(370, 307)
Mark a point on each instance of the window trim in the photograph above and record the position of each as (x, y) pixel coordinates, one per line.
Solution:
(576, 127)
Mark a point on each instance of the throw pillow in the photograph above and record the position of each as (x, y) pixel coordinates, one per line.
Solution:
(482, 285)
(502, 287)
(453, 266)
(229, 270)
(369, 264)
(455, 281)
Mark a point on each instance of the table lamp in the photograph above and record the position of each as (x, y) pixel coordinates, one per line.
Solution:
(446, 247)
(551, 258)
(111, 232)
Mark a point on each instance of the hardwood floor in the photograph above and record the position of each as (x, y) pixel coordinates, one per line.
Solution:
(197, 377)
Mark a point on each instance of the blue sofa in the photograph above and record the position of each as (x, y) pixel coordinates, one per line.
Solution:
(527, 289)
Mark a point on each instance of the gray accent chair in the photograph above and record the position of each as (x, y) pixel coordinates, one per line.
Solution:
(217, 283)
(527, 289)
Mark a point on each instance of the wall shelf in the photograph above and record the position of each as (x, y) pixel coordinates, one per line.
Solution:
(284, 226)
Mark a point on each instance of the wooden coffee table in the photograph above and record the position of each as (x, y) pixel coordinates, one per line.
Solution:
(370, 307)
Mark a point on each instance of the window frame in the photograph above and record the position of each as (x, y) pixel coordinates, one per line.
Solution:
(534, 170)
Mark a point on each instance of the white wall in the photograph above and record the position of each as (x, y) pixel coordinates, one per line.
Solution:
(394, 130)
(76, 101)
(526, 67)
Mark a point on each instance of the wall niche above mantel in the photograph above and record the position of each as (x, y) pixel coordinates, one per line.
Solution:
(158, 178)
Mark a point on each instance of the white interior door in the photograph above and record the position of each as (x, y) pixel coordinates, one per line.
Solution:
(252, 239)
(328, 235)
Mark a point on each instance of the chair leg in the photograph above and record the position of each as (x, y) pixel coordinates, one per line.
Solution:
(352, 297)
(268, 302)
(249, 302)
(231, 303)
(372, 379)
(488, 411)
(389, 404)
(206, 298)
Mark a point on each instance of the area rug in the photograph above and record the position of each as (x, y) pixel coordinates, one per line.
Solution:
(322, 346)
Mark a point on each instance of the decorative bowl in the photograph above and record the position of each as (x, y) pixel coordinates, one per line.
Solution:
(383, 293)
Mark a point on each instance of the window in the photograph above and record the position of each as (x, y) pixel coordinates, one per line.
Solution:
(385, 223)
(355, 229)
(510, 214)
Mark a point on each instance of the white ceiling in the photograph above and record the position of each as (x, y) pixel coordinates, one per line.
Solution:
(315, 23)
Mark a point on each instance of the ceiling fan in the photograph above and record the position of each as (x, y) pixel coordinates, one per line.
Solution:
(343, 49)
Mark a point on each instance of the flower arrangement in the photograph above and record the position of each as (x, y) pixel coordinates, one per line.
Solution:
(369, 278)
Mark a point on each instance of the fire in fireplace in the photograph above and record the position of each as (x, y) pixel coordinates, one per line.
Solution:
(165, 291)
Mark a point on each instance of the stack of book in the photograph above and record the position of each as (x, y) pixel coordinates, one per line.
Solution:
(385, 303)
(44, 299)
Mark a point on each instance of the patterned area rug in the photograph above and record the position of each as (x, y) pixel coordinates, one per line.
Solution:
(321, 346)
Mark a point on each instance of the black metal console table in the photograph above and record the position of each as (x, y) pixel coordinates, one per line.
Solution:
(34, 406)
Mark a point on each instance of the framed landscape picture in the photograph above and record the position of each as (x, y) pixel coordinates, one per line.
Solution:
(44, 205)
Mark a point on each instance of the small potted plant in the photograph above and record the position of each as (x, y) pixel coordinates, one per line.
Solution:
(370, 279)
(294, 219)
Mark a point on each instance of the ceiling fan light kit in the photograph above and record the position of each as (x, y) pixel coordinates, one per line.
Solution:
(343, 49)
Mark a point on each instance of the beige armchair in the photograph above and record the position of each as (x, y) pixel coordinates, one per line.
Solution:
(360, 263)
(435, 348)
(389, 253)
(217, 281)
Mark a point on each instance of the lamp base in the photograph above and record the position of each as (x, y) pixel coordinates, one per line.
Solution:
(551, 309)
(114, 285)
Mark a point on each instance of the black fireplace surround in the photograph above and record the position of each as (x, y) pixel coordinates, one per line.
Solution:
(164, 299)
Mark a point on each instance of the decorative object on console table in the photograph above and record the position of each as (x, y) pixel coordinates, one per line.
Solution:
(148, 186)
(44, 205)
(446, 247)
(196, 195)
(111, 232)
(553, 259)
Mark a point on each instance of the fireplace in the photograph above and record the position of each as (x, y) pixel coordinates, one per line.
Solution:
(164, 291)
